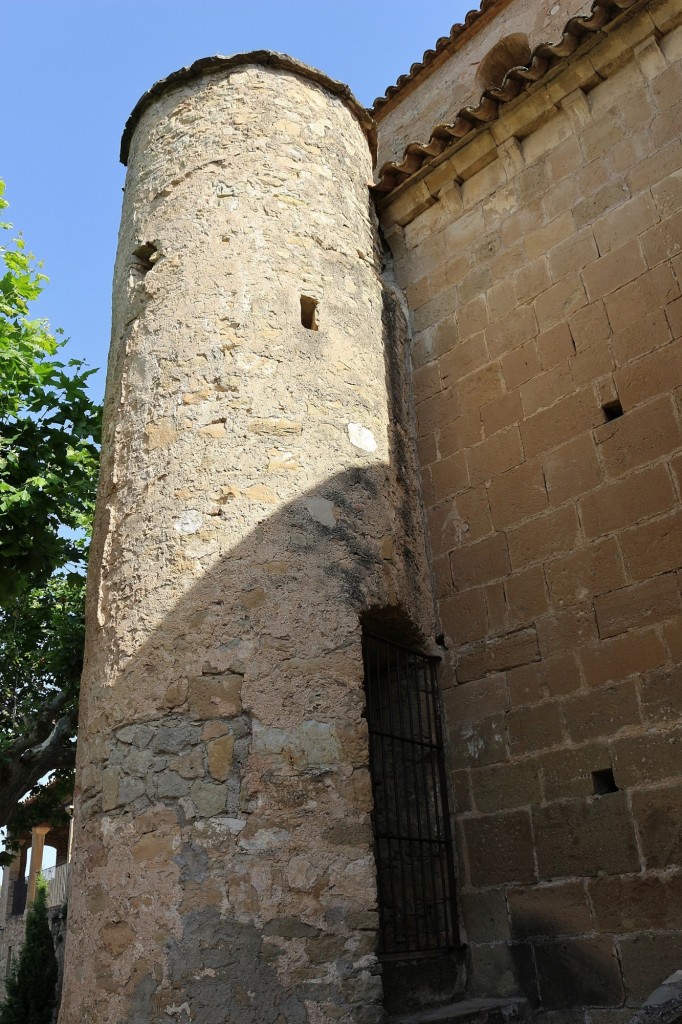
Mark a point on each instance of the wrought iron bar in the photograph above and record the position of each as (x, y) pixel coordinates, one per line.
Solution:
(415, 867)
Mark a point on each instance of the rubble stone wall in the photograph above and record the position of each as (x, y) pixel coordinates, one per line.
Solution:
(258, 495)
(11, 940)
(543, 269)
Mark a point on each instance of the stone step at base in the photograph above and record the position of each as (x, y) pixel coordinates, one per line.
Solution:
(469, 1011)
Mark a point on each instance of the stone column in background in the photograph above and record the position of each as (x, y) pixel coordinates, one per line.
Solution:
(257, 497)
(38, 834)
(4, 897)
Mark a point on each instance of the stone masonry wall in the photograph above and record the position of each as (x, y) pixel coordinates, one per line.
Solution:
(256, 499)
(542, 261)
(11, 940)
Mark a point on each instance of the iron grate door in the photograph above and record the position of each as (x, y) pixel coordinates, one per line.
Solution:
(415, 870)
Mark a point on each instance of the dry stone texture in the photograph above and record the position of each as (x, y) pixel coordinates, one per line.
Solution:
(256, 499)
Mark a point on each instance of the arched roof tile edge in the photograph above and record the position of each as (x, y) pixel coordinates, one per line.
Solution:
(545, 56)
(456, 35)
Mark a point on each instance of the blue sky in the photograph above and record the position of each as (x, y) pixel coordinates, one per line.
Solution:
(74, 69)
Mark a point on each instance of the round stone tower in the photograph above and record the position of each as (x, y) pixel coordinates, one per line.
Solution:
(257, 499)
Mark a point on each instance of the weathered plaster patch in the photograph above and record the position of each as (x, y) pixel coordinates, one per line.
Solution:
(189, 522)
(322, 510)
(361, 437)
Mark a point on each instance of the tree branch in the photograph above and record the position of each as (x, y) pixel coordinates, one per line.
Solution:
(41, 725)
(21, 767)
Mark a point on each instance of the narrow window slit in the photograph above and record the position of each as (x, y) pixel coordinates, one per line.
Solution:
(612, 410)
(309, 312)
(603, 782)
(146, 256)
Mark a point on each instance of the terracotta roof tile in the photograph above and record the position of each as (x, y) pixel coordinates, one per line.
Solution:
(457, 31)
(543, 57)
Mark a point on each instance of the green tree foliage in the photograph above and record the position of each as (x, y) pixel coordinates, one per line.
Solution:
(41, 651)
(30, 987)
(49, 436)
(49, 429)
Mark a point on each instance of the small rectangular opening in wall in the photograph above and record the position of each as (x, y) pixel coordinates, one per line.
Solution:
(603, 782)
(309, 312)
(612, 410)
(146, 256)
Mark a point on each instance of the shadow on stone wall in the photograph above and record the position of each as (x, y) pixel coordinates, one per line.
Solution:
(224, 796)
(571, 972)
(223, 847)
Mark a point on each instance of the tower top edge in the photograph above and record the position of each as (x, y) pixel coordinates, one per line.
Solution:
(266, 58)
